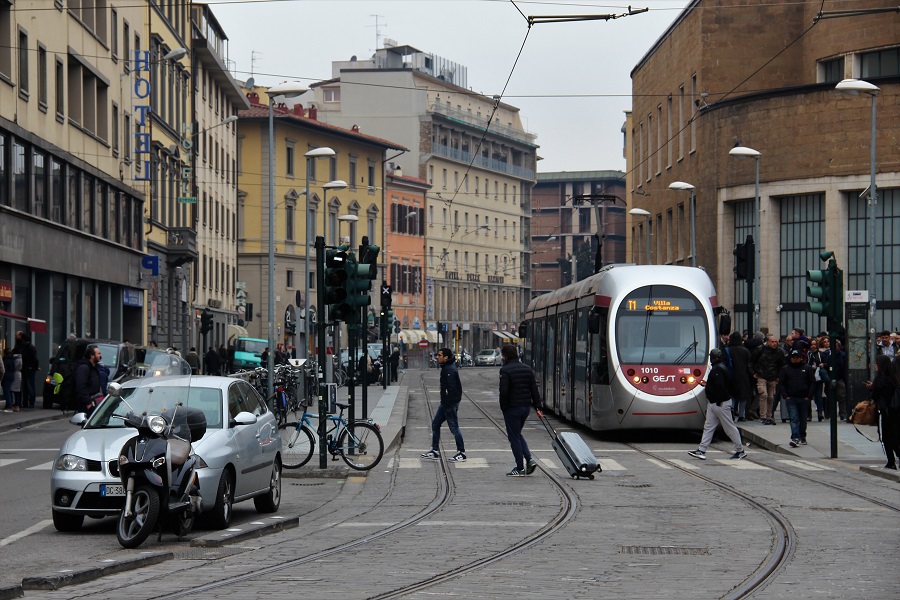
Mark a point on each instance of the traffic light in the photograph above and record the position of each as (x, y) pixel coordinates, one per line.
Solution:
(368, 255)
(387, 319)
(396, 325)
(335, 285)
(745, 260)
(206, 321)
(358, 286)
(826, 286)
(385, 295)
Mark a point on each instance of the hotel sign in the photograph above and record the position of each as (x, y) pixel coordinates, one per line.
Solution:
(6, 291)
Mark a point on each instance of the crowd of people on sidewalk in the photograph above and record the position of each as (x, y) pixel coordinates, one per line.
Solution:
(804, 376)
(17, 372)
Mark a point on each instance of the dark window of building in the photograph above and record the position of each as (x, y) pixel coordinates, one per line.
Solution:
(60, 88)
(290, 279)
(87, 202)
(42, 77)
(4, 170)
(6, 46)
(833, 70)
(57, 191)
(289, 160)
(39, 184)
(887, 254)
(72, 209)
(801, 237)
(20, 176)
(23, 64)
(883, 63)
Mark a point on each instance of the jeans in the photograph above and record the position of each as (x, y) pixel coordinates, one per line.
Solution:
(515, 417)
(8, 394)
(28, 394)
(798, 411)
(448, 413)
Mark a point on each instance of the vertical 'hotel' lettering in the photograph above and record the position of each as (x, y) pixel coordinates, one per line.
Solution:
(142, 91)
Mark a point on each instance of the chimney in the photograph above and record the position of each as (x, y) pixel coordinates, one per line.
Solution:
(253, 97)
(299, 111)
(355, 129)
(313, 112)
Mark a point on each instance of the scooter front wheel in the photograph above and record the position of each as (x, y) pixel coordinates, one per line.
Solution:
(133, 530)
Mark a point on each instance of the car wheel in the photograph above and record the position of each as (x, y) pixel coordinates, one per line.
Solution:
(221, 512)
(271, 500)
(66, 522)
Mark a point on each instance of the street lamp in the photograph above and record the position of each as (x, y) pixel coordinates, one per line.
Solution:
(855, 87)
(335, 185)
(346, 219)
(640, 212)
(310, 235)
(682, 186)
(745, 152)
(289, 90)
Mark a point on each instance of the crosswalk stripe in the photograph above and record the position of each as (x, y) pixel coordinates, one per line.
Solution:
(609, 464)
(805, 465)
(742, 464)
(5, 462)
(472, 463)
(549, 463)
(406, 463)
(658, 463)
(47, 466)
(690, 466)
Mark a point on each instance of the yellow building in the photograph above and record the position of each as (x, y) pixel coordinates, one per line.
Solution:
(305, 206)
(70, 210)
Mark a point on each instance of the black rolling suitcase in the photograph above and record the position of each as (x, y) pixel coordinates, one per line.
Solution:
(573, 452)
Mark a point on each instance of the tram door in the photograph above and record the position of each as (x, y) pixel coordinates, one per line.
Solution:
(581, 381)
(551, 372)
(566, 393)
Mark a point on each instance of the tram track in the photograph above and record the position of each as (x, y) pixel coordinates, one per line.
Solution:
(786, 538)
(569, 505)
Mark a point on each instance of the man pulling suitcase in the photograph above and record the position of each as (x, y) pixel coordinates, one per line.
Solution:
(518, 393)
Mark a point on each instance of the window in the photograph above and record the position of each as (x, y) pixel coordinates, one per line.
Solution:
(669, 133)
(289, 222)
(126, 46)
(371, 182)
(20, 179)
(693, 113)
(126, 139)
(114, 34)
(680, 122)
(289, 160)
(60, 89)
(883, 63)
(290, 279)
(23, 65)
(57, 191)
(352, 173)
(6, 45)
(42, 77)
(332, 94)
(115, 129)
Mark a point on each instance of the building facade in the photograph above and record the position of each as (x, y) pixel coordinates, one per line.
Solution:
(698, 93)
(480, 163)
(310, 196)
(573, 216)
(71, 212)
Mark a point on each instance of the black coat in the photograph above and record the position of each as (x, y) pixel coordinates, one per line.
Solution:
(718, 386)
(87, 382)
(451, 386)
(797, 381)
(742, 375)
(518, 386)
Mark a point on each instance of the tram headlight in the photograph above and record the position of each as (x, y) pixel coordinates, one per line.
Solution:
(630, 372)
(697, 373)
(645, 379)
(691, 379)
(636, 379)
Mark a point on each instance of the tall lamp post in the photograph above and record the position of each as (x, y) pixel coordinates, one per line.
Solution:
(289, 90)
(855, 87)
(683, 186)
(310, 235)
(745, 152)
(640, 212)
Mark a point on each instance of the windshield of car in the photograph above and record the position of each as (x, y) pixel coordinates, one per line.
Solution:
(109, 356)
(146, 356)
(251, 346)
(157, 397)
(486, 353)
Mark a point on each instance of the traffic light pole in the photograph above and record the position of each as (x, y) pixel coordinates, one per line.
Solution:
(364, 339)
(320, 371)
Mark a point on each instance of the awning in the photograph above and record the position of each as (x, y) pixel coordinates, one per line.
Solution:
(500, 334)
(412, 336)
(37, 326)
(432, 336)
(236, 331)
(13, 316)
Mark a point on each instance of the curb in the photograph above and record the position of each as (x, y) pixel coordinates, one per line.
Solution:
(12, 426)
(883, 473)
(8, 592)
(249, 531)
(90, 572)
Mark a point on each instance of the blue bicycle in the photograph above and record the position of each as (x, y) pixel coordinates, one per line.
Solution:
(359, 443)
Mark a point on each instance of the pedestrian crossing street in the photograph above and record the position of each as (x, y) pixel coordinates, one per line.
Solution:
(503, 459)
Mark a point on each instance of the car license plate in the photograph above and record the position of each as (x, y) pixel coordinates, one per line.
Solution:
(112, 490)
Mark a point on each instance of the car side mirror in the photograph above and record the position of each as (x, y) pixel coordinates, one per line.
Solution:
(114, 389)
(244, 418)
(78, 419)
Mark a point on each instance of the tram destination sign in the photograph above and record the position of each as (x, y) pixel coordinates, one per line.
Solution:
(641, 303)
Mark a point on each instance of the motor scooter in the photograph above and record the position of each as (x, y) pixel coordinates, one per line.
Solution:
(157, 467)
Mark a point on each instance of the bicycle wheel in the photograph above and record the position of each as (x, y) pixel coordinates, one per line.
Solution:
(361, 446)
(297, 445)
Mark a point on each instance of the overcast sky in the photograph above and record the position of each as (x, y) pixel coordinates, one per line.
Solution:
(571, 81)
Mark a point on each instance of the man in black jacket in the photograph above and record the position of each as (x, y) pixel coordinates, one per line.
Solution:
(719, 390)
(88, 390)
(797, 382)
(518, 393)
(451, 396)
(766, 362)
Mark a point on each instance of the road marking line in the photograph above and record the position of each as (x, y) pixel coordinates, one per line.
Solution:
(406, 463)
(659, 463)
(5, 462)
(805, 465)
(549, 463)
(33, 529)
(48, 466)
(472, 463)
(609, 464)
(742, 464)
(690, 466)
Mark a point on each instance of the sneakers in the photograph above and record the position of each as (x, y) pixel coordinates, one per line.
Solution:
(432, 455)
(739, 455)
(802, 441)
(459, 457)
(516, 472)
(698, 454)
(794, 443)
(530, 466)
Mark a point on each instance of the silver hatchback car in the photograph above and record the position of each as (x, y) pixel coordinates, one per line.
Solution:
(239, 455)
(489, 357)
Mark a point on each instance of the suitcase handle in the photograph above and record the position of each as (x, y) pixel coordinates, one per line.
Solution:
(546, 423)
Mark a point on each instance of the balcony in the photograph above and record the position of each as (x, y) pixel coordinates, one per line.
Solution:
(520, 135)
(181, 246)
(481, 162)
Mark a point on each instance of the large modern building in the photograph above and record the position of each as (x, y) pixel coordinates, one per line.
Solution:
(71, 211)
(717, 87)
(574, 216)
(480, 163)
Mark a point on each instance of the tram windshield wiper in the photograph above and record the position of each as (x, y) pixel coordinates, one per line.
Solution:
(691, 346)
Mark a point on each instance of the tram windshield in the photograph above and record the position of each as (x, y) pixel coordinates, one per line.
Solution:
(661, 325)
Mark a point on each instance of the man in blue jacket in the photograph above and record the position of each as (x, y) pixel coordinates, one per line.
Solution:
(797, 386)
(518, 393)
(451, 396)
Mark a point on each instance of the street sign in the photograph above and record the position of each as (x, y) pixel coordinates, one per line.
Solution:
(187, 200)
(423, 343)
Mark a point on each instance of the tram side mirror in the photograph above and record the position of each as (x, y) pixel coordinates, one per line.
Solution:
(724, 323)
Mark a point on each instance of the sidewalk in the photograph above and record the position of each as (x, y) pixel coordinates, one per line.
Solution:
(852, 448)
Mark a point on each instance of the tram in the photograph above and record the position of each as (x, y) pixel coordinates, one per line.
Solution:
(627, 347)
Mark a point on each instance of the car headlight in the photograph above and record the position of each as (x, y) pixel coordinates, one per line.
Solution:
(157, 425)
(70, 462)
(201, 464)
